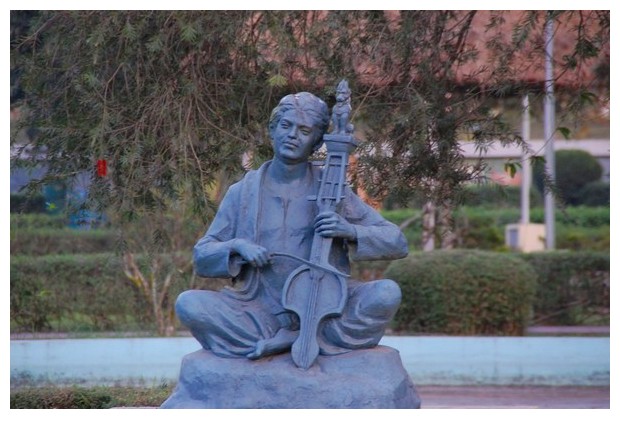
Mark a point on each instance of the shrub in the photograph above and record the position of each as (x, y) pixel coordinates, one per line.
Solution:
(67, 398)
(96, 397)
(37, 221)
(24, 203)
(583, 239)
(85, 293)
(37, 242)
(574, 169)
(578, 228)
(495, 195)
(594, 194)
(81, 290)
(573, 287)
(463, 292)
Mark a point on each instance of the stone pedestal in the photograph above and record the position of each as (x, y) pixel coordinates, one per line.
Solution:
(369, 378)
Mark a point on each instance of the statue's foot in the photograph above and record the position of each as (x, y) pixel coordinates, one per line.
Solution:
(281, 342)
(258, 351)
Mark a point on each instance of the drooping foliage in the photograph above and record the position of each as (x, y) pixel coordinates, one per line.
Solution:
(172, 99)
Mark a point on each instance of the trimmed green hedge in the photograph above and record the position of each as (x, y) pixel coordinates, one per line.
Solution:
(463, 292)
(577, 228)
(573, 287)
(23, 203)
(37, 242)
(84, 292)
(37, 221)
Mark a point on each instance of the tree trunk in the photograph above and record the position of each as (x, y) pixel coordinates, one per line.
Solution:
(445, 225)
(428, 226)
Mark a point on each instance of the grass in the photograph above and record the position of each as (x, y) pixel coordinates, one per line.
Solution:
(73, 397)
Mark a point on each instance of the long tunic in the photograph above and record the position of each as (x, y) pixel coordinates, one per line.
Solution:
(231, 322)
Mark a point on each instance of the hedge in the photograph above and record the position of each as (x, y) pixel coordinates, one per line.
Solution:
(37, 242)
(494, 196)
(572, 289)
(578, 228)
(595, 194)
(37, 221)
(82, 293)
(24, 203)
(463, 292)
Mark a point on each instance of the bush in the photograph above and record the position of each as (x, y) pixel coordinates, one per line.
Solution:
(53, 398)
(578, 228)
(573, 287)
(37, 221)
(594, 194)
(88, 291)
(463, 292)
(24, 203)
(583, 239)
(37, 242)
(84, 293)
(495, 195)
(96, 397)
(574, 169)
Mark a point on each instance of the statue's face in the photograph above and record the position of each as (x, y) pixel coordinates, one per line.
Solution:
(342, 95)
(294, 137)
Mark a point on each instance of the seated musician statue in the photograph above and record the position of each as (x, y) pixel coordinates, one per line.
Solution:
(277, 236)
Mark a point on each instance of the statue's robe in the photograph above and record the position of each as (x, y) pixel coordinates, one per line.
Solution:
(231, 322)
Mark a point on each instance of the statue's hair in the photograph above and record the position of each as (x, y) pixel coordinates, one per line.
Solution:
(306, 102)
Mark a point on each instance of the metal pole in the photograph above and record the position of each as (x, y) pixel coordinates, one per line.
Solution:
(526, 169)
(549, 118)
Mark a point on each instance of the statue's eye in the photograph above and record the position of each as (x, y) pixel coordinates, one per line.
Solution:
(305, 131)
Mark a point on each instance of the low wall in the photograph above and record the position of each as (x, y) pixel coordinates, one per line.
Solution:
(429, 360)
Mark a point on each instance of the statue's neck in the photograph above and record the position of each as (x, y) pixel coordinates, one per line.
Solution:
(280, 172)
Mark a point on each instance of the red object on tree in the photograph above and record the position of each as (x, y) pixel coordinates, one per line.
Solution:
(102, 167)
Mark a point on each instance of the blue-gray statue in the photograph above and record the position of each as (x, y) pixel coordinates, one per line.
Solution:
(285, 235)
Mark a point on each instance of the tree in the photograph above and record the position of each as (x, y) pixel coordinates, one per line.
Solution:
(170, 100)
(173, 100)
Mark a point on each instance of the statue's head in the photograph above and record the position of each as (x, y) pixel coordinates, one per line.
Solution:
(343, 92)
(306, 104)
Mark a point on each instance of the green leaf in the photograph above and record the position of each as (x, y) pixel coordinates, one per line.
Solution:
(277, 81)
(565, 132)
(155, 44)
(511, 168)
(189, 33)
(588, 97)
(129, 31)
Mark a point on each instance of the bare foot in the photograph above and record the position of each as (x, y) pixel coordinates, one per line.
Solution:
(258, 351)
(280, 343)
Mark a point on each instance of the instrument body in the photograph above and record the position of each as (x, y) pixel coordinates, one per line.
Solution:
(314, 293)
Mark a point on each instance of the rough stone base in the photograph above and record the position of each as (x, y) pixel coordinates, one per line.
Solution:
(371, 378)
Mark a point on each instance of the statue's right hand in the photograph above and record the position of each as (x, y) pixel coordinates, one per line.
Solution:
(254, 254)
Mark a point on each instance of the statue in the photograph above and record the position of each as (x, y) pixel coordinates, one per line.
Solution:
(342, 109)
(284, 235)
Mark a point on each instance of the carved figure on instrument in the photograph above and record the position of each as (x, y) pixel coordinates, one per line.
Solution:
(276, 234)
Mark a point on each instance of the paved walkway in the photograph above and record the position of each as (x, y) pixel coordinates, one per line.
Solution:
(556, 397)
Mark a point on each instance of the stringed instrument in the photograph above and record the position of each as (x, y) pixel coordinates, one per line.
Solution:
(317, 290)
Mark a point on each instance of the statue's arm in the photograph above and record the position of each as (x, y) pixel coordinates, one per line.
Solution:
(376, 238)
(213, 253)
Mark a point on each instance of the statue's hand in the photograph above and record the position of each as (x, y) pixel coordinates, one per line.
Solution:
(256, 255)
(331, 224)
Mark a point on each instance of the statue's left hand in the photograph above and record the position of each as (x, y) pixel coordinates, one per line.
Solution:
(331, 224)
